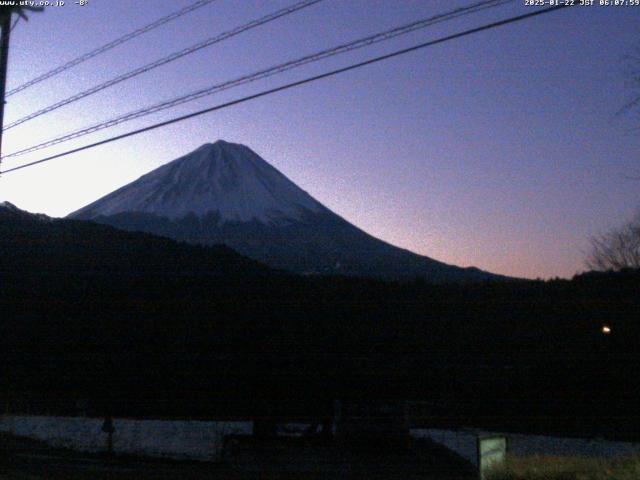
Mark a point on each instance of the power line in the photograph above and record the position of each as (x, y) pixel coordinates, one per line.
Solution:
(169, 58)
(7, 28)
(119, 41)
(280, 68)
(296, 84)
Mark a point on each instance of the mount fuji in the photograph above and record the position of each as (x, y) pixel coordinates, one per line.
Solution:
(224, 193)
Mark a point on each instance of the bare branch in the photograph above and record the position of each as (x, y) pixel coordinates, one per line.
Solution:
(616, 249)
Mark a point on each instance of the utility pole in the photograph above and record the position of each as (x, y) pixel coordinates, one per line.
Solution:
(4, 58)
(5, 24)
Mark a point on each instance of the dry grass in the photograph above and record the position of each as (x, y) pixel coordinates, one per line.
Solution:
(567, 468)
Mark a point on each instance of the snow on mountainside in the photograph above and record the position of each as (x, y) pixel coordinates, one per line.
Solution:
(225, 178)
(224, 193)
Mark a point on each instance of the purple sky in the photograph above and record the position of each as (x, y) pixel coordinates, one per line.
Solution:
(501, 150)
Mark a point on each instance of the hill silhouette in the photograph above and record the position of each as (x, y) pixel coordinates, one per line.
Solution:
(145, 326)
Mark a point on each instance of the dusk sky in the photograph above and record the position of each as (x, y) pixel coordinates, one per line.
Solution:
(502, 150)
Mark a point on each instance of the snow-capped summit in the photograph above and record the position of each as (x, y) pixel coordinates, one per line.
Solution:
(225, 193)
(221, 178)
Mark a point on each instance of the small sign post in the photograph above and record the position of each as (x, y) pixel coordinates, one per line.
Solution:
(492, 451)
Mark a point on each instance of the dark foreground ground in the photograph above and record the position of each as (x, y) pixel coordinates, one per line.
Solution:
(23, 459)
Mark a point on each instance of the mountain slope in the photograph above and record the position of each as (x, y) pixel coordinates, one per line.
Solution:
(225, 193)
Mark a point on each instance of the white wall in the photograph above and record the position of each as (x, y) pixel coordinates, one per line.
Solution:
(463, 442)
(196, 440)
(202, 440)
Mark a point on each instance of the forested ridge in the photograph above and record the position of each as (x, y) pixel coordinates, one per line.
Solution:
(146, 326)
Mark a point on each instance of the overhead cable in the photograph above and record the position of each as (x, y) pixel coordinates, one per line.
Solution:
(280, 68)
(294, 84)
(164, 60)
(110, 45)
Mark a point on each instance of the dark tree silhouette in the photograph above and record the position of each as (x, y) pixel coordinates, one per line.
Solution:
(633, 80)
(617, 249)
